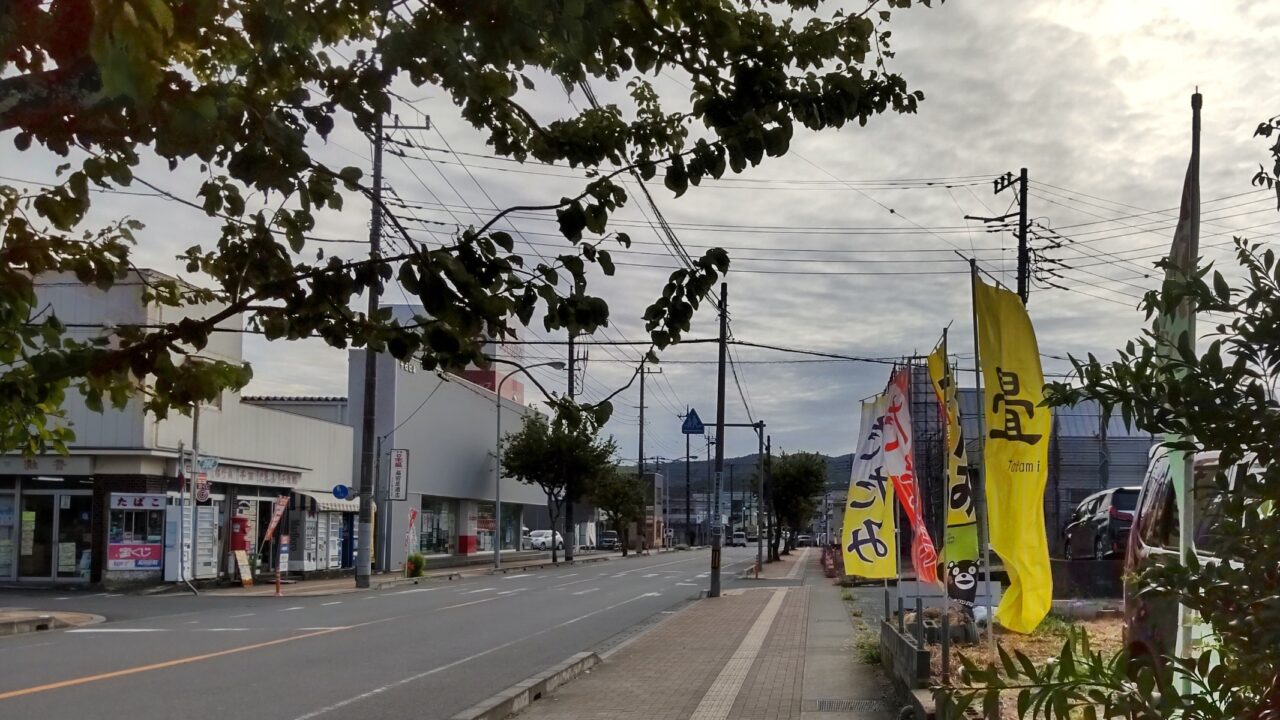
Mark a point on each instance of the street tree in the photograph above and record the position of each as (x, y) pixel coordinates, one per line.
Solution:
(561, 456)
(1223, 398)
(620, 497)
(794, 480)
(243, 95)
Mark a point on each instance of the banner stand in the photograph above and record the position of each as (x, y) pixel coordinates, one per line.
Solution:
(980, 501)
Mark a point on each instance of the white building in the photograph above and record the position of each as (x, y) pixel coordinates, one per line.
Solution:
(108, 512)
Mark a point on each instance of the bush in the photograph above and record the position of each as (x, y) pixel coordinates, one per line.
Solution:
(415, 564)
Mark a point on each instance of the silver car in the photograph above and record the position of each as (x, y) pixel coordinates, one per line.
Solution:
(541, 540)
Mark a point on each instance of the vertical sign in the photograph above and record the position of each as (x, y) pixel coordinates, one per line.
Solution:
(277, 510)
(399, 483)
(409, 531)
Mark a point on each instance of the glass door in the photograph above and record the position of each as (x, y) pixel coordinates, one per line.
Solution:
(8, 536)
(75, 536)
(35, 536)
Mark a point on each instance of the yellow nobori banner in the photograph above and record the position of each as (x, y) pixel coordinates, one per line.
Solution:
(868, 534)
(1016, 453)
(960, 542)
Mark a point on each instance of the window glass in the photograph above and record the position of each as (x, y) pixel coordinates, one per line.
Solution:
(1152, 495)
(1125, 500)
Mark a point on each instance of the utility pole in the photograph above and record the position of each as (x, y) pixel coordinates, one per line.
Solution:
(640, 454)
(716, 530)
(688, 495)
(570, 536)
(1024, 253)
(760, 492)
(768, 501)
(364, 545)
(729, 530)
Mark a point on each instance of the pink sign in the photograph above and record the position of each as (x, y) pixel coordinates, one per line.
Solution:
(135, 557)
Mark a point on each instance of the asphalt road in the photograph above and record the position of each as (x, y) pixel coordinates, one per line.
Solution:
(424, 651)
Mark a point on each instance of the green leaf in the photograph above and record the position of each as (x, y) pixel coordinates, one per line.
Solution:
(573, 219)
(606, 262)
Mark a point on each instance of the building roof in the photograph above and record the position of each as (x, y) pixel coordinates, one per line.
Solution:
(1080, 420)
(293, 398)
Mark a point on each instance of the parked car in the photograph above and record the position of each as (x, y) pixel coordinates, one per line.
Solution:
(803, 541)
(739, 539)
(608, 540)
(541, 540)
(1151, 617)
(1100, 524)
(753, 536)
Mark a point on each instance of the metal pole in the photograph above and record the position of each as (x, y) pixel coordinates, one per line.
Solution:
(640, 450)
(364, 544)
(195, 474)
(497, 474)
(688, 495)
(1024, 256)
(717, 542)
(984, 531)
(569, 528)
(760, 497)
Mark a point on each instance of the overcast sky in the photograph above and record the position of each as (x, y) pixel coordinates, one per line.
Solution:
(1093, 97)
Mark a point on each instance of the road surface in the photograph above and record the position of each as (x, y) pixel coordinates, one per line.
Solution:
(426, 651)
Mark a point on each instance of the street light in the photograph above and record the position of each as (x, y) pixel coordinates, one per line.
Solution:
(497, 455)
(666, 494)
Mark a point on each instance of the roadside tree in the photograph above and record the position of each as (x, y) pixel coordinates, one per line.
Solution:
(561, 456)
(794, 480)
(619, 496)
(223, 108)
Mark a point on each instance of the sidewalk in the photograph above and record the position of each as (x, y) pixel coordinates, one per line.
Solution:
(756, 653)
(23, 620)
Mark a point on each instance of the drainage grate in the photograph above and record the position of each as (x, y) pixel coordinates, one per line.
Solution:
(843, 706)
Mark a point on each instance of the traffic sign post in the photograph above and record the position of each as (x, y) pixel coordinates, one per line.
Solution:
(281, 561)
(693, 424)
(341, 492)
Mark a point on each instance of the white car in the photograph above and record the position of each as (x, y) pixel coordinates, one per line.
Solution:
(541, 540)
(739, 540)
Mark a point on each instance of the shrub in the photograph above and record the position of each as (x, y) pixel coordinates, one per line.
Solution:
(415, 564)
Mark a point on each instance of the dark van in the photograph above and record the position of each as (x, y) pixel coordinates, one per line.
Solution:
(1100, 524)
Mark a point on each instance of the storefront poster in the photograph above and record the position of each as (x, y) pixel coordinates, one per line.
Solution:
(28, 532)
(135, 556)
(66, 557)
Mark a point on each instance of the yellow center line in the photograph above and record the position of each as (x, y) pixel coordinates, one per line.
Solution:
(174, 663)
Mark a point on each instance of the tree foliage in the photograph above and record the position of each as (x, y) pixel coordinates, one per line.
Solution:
(561, 456)
(244, 92)
(794, 480)
(620, 497)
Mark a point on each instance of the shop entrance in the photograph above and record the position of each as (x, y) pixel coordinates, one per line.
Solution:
(54, 535)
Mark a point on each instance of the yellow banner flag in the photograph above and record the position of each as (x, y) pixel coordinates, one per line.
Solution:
(960, 541)
(1016, 453)
(868, 543)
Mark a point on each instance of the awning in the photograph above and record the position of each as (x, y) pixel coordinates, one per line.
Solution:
(324, 502)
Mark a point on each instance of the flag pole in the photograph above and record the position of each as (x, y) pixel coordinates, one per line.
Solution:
(980, 498)
(946, 482)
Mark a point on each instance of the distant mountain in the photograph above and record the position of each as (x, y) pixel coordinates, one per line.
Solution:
(742, 470)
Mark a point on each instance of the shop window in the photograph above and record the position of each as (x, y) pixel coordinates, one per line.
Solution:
(135, 539)
(435, 527)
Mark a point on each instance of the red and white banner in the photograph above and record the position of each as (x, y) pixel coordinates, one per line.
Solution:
(899, 466)
(408, 533)
(277, 511)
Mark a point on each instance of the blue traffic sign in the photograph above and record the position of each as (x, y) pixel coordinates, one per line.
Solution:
(692, 424)
(342, 492)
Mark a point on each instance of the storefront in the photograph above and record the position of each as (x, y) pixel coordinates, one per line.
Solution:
(46, 520)
(437, 526)
(320, 529)
(510, 531)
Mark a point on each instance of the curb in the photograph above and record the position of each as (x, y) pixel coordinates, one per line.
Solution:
(43, 622)
(519, 696)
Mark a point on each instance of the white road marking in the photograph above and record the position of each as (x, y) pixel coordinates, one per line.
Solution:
(335, 602)
(517, 576)
(718, 701)
(650, 567)
(584, 592)
(415, 590)
(650, 575)
(116, 630)
(687, 583)
(567, 575)
(62, 598)
(221, 629)
(473, 602)
(515, 590)
(473, 592)
(193, 622)
(449, 666)
(244, 615)
(295, 607)
(339, 627)
(574, 582)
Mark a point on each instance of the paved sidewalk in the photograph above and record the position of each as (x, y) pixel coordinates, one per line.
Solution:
(22, 620)
(760, 652)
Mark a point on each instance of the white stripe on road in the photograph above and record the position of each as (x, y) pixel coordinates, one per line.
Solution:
(116, 630)
(584, 592)
(516, 576)
(221, 629)
(718, 701)
(514, 590)
(650, 567)
(244, 615)
(449, 666)
(567, 575)
(575, 582)
(295, 607)
(473, 602)
(415, 590)
(650, 575)
(473, 592)
(689, 584)
(335, 602)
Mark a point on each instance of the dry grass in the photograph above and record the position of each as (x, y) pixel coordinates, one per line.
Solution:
(1046, 642)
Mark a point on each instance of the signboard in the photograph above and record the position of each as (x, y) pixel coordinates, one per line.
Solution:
(240, 475)
(284, 552)
(56, 466)
(692, 424)
(202, 487)
(242, 566)
(399, 482)
(207, 463)
(137, 501)
(277, 510)
(134, 557)
(342, 492)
